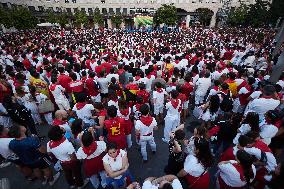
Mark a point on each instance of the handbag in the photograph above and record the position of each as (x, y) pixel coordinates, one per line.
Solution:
(45, 107)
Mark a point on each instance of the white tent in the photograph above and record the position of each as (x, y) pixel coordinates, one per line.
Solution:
(47, 24)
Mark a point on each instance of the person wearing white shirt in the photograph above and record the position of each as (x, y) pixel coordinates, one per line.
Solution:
(167, 180)
(202, 85)
(58, 94)
(232, 172)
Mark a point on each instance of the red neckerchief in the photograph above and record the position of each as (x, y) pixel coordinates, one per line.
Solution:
(262, 146)
(52, 87)
(80, 105)
(149, 76)
(159, 90)
(102, 112)
(216, 88)
(175, 103)
(57, 122)
(90, 149)
(124, 112)
(146, 120)
(118, 152)
(240, 170)
(54, 144)
(267, 97)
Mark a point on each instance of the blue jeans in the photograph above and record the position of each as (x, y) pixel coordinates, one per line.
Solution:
(113, 183)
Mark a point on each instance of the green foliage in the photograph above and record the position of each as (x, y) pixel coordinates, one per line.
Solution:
(23, 18)
(116, 20)
(238, 15)
(98, 17)
(277, 10)
(166, 14)
(204, 15)
(81, 18)
(62, 19)
(52, 18)
(258, 14)
(6, 18)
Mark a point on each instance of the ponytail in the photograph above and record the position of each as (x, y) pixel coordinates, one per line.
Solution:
(246, 161)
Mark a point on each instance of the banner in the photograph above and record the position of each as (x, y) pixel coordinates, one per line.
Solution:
(143, 20)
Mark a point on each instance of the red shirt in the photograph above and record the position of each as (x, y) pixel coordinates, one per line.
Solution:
(99, 69)
(107, 66)
(64, 81)
(144, 94)
(116, 131)
(90, 85)
(182, 97)
(76, 86)
(27, 63)
(186, 89)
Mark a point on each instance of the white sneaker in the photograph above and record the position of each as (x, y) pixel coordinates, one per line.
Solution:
(86, 181)
(5, 164)
(55, 178)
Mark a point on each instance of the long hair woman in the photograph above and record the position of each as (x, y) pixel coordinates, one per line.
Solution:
(196, 166)
(237, 174)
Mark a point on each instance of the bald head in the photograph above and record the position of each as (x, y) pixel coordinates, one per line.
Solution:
(60, 114)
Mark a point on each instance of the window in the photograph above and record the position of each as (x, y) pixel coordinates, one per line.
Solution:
(111, 11)
(31, 8)
(103, 1)
(4, 5)
(83, 10)
(75, 9)
(90, 10)
(104, 11)
(124, 10)
(73, 1)
(40, 8)
(68, 10)
(117, 10)
(66, 1)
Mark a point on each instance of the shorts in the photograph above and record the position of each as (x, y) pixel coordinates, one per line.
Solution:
(158, 109)
(96, 98)
(185, 105)
(63, 104)
(40, 164)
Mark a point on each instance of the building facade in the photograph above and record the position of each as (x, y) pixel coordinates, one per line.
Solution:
(125, 7)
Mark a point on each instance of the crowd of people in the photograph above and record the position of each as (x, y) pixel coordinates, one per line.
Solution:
(101, 91)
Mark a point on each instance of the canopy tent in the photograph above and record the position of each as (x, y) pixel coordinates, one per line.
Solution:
(47, 24)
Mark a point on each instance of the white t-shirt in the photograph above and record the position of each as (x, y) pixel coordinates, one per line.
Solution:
(117, 164)
(85, 113)
(171, 110)
(5, 152)
(202, 85)
(63, 151)
(145, 130)
(101, 147)
(58, 93)
(231, 176)
(103, 82)
(263, 105)
(192, 166)
(160, 97)
(109, 76)
(148, 185)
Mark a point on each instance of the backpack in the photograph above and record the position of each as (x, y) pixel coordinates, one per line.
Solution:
(227, 103)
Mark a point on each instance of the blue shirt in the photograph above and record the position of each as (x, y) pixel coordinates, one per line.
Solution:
(26, 149)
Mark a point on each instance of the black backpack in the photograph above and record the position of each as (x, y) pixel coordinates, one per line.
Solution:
(227, 103)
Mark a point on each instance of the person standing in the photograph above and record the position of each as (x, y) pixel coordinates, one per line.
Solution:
(145, 129)
(64, 151)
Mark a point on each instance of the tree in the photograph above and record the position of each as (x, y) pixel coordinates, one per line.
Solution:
(6, 18)
(116, 20)
(52, 18)
(204, 15)
(62, 19)
(238, 15)
(23, 18)
(166, 14)
(258, 14)
(81, 18)
(98, 17)
(276, 10)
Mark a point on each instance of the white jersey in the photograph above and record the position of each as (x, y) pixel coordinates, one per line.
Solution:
(145, 126)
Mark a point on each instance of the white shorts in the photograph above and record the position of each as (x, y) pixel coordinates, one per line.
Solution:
(63, 104)
(185, 105)
(96, 98)
(158, 109)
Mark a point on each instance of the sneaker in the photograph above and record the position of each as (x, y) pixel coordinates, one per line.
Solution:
(5, 164)
(71, 187)
(55, 178)
(164, 140)
(86, 181)
(44, 182)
